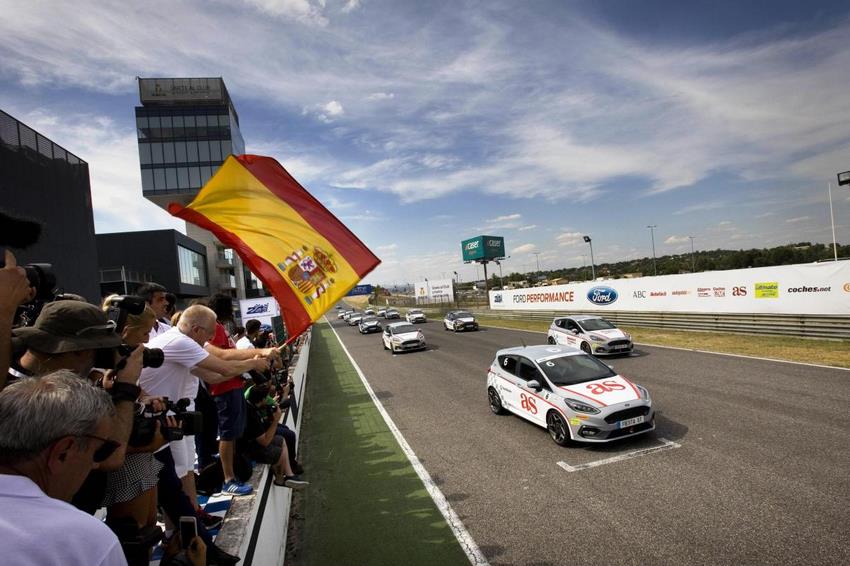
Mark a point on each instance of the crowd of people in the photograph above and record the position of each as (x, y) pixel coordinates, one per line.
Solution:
(132, 406)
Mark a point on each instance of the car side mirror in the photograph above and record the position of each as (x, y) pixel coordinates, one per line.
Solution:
(534, 384)
(573, 330)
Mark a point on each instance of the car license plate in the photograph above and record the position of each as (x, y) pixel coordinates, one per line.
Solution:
(620, 347)
(631, 422)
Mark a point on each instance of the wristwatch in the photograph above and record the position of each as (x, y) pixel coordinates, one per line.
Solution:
(121, 391)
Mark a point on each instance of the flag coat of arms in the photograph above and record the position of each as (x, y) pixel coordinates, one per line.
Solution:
(300, 251)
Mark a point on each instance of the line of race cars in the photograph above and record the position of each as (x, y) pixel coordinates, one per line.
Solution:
(561, 386)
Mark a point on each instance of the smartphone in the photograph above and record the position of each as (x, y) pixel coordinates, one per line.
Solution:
(188, 530)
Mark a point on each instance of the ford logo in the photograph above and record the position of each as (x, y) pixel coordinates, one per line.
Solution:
(602, 295)
(497, 298)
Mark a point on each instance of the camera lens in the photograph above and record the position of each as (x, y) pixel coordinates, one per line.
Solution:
(152, 358)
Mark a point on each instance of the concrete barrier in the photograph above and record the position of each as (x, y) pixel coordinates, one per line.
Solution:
(256, 525)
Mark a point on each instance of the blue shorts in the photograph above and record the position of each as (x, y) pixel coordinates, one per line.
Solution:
(231, 414)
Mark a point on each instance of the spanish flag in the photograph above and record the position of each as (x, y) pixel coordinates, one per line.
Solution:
(300, 251)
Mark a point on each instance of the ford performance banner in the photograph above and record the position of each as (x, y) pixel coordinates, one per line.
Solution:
(819, 288)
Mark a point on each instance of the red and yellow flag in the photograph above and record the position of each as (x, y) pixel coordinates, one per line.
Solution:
(300, 251)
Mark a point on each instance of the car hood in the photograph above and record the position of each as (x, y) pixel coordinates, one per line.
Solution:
(465, 319)
(606, 391)
(407, 336)
(610, 334)
(369, 323)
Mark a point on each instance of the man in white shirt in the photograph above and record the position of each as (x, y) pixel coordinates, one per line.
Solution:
(53, 432)
(252, 329)
(156, 296)
(185, 361)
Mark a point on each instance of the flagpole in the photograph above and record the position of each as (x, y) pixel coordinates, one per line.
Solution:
(832, 218)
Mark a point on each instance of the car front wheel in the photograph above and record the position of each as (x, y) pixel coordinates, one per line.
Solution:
(585, 347)
(557, 428)
(552, 340)
(495, 401)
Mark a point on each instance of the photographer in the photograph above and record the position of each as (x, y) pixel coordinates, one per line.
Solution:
(263, 440)
(15, 289)
(53, 432)
(72, 335)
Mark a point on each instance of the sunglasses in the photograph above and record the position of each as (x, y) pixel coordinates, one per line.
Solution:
(105, 450)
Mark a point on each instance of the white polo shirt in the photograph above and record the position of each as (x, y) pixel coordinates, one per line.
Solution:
(159, 327)
(173, 378)
(37, 530)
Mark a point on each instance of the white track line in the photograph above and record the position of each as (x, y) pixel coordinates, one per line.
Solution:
(463, 537)
(700, 351)
(668, 444)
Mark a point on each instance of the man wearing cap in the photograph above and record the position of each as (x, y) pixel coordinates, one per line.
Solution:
(71, 335)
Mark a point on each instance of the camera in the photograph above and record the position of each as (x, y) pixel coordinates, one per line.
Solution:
(144, 423)
(117, 313)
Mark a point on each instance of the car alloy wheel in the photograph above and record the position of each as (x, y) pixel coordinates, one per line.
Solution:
(495, 401)
(552, 340)
(585, 347)
(557, 428)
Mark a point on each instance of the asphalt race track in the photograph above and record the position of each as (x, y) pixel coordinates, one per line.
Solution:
(754, 465)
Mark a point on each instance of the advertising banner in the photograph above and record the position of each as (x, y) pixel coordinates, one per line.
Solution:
(360, 290)
(483, 247)
(817, 288)
(263, 309)
(437, 290)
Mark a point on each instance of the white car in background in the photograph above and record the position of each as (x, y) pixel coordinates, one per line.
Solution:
(391, 313)
(381, 313)
(415, 315)
(570, 393)
(402, 337)
(354, 320)
(592, 334)
(460, 320)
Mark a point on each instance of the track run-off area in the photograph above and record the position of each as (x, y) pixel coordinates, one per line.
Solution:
(749, 463)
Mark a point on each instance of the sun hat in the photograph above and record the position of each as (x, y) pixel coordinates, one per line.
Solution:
(69, 326)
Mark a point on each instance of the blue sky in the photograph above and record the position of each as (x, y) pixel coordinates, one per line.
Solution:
(423, 123)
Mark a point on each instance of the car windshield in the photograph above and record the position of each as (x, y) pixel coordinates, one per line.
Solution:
(404, 329)
(596, 324)
(569, 370)
(393, 311)
(463, 314)
(414, 311)
(370, 319)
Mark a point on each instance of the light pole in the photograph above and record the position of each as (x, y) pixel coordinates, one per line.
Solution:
(537, 256)
(693, 261)
(652, 228)
(455, 290)
(592, 263)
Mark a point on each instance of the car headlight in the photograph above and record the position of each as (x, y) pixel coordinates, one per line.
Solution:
(597, 339)
(580, 407)
(644, 394)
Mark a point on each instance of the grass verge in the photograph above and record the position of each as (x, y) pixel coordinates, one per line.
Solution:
(365, 503)
(812, 351)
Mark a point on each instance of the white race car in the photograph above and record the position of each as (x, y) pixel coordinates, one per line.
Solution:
(391, 313)
(460, 320)
(593, 334)
(415, 315)
(354, 320)
(402, 337)
(574, 395)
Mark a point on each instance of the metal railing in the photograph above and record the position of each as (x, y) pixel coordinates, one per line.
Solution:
(808, 326)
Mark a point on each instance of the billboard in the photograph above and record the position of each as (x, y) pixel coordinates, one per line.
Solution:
(482, 248)
(360, 290)
(816, 288)
(437, 290)
(263, 309)
(182, 90)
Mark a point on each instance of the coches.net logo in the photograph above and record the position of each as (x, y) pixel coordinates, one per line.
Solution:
(602, 295)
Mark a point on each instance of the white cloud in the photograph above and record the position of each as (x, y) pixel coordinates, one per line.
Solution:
(676, 240)
(569, 238)
(700, 207)
(381, 96)
(797, 219)
(525, 228)
(350, 5)
(301, 10)
(725, 223)
(387, 248)
(505, 218)
(524, 249)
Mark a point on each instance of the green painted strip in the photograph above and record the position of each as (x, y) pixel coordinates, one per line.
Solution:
(365, 503)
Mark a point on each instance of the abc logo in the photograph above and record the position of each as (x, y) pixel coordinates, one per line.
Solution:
(639, 295)
(739, 291)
